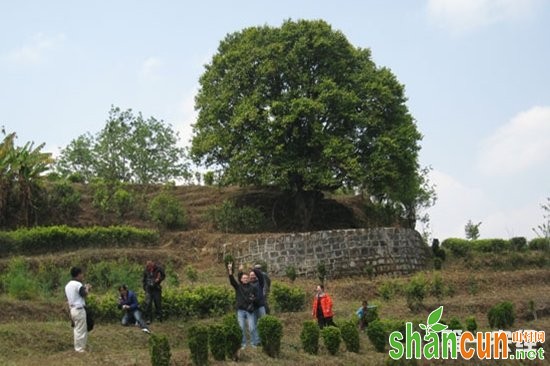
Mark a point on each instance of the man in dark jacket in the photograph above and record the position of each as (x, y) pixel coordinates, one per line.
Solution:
(128, 302)
(256, 279)
(267, 286)
(153, 275)
(246, 296)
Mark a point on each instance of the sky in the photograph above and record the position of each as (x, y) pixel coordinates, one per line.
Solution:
(476, 74)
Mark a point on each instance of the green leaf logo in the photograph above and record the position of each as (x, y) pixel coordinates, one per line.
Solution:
(432, 324)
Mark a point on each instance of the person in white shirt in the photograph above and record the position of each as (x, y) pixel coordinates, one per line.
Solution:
(76, 291)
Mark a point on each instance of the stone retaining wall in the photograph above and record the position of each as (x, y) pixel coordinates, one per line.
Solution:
(343, 252)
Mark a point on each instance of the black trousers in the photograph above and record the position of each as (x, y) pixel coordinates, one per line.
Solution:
(325, 322)
(153, 296)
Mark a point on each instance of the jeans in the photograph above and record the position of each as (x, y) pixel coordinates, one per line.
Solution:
(261, 311)
(131, 316)
(246, 318)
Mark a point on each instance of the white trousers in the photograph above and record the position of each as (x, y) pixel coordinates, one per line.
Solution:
(80, 329)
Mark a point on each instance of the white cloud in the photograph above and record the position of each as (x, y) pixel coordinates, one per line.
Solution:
(521, 144)
(150, 68)
(456, 204)
(461, 16)
(36, 50)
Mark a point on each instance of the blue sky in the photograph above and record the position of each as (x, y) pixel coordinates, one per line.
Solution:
(476, 73)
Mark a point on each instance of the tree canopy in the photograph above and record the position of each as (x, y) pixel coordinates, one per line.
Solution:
(300, 108)
(128, 149)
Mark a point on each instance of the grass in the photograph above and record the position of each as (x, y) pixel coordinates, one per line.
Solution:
(38, 332)
(45, 338)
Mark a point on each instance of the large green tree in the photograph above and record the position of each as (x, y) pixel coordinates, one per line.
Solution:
(128, 149)
(300, 108)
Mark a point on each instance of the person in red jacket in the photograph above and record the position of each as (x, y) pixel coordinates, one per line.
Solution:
(322, 308)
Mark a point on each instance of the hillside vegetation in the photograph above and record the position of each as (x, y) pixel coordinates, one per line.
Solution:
(34, 326)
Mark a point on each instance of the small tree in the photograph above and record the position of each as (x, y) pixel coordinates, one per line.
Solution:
(472, 230)
(233, 336)
(159, 350)
(198, 344)
(332, 339)
(350, 335)
(271, 331)
(310, 337)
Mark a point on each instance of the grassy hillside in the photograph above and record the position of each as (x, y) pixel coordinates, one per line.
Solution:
(37, 331)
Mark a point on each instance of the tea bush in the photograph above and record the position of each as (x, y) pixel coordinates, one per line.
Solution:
(454, 324)
(217, 340)
(502, 315)
(191, 273)
(309, 337)
(43, 239)
(539, 244)
(232, 219)
(233, 336)
(197, 340)
(388, 289)
(415, 292)
(470, 324)
(518, 244)
(18, 282)
(270, 330)
(377, 335)
(458, 247)
(331, 338)
(350, 335)
(291, 273)
(288, 299)
(159, 350)
(166, 211)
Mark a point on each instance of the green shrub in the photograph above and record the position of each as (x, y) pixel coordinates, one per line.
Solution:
(350, 335)
(197, 340)
(107, 275)
(167, 212)
(104, 307)
(438, 287)
(310, 337)
(191, 273)
(233, 336)
(291, 273)
(502, 315)
(216, 340)
(331, 338)
(43, 239)
(288, 299)
(388, 289)
(539, 244)
(454, 324)
(270, 330)
(18, 281)
(415, 292)
(458, 247)
(232, 219)
(76, 178)
(123, 201)
(64, 201)
(369, 271)
(490, 245)
(51, 277)
(159, 350)
(470, 324)
(379, 330)
(518, 244)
